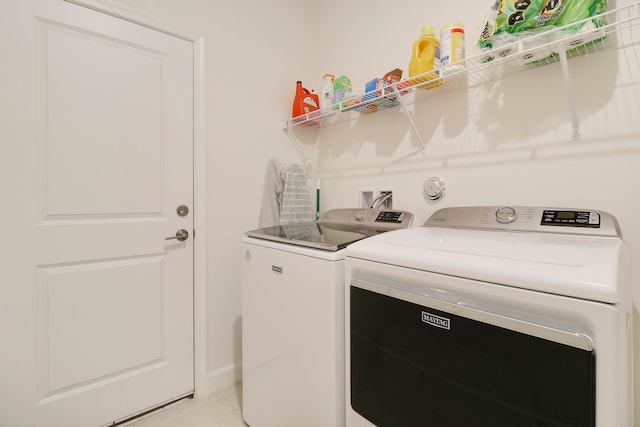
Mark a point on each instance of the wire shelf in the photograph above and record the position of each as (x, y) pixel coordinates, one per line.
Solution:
(616, 30)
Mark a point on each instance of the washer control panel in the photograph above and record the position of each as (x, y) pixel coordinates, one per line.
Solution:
(374, 219)
(526, 218)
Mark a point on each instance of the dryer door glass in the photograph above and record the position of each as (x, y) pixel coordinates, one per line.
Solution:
(413, 365)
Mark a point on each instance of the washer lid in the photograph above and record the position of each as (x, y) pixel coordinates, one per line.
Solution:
(309, 234)
(336, 228)
(576, 265)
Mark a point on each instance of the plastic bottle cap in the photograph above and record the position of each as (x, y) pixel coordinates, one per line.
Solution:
(427, 30)
(328, 75)
(452, 25)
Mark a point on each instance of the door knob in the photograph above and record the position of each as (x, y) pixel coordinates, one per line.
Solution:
(181, 235)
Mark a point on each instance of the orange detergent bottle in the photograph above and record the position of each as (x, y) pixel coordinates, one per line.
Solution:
(304, 101)
(425, 60)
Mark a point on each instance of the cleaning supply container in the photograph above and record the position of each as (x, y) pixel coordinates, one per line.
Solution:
(425, 60)
(341, 91)
(304, 101)
(452, 46)
(326, 102)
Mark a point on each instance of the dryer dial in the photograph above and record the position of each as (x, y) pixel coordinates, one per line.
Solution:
(506, 215)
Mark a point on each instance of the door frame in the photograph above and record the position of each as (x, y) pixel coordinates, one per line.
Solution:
(199, 176)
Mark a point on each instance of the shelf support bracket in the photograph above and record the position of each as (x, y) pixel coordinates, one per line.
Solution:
(410, 117)
(575, 122)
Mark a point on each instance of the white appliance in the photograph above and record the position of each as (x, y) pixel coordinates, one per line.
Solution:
(293, 317)
(490, 316)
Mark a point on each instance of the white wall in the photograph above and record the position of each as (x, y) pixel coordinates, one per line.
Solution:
(503, 143)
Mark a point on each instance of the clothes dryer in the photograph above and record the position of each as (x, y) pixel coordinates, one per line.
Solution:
(493, 316)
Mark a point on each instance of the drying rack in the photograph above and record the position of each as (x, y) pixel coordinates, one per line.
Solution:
(558, 44)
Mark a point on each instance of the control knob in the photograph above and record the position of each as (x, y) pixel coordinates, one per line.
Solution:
(506, 215)
(360, 215)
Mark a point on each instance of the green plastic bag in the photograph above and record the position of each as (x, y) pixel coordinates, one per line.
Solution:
(513, 19)
(515, 16)
(578, 10)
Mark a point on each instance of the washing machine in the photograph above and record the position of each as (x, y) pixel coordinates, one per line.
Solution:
(293, 316)
(491, 316)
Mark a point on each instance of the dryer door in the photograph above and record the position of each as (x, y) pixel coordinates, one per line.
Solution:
(415, 363)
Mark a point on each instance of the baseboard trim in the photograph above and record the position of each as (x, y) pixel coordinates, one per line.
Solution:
(223, 378)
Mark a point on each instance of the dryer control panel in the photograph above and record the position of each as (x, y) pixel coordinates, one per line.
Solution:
(526, 218)
(570, 218)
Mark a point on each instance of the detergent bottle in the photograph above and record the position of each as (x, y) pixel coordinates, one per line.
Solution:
(425, 59)
(304, 101)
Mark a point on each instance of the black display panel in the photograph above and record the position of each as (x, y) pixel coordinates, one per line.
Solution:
(416, 366)
(570, 218)
(390, 216)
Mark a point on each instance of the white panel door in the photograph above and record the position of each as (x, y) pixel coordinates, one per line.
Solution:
(96, 307)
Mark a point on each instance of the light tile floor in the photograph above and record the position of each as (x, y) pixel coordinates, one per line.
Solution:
(222, 409)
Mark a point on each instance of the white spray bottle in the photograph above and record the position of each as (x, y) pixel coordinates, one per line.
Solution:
(326, 100)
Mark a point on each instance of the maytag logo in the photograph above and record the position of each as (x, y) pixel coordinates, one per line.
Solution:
(437, 321)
